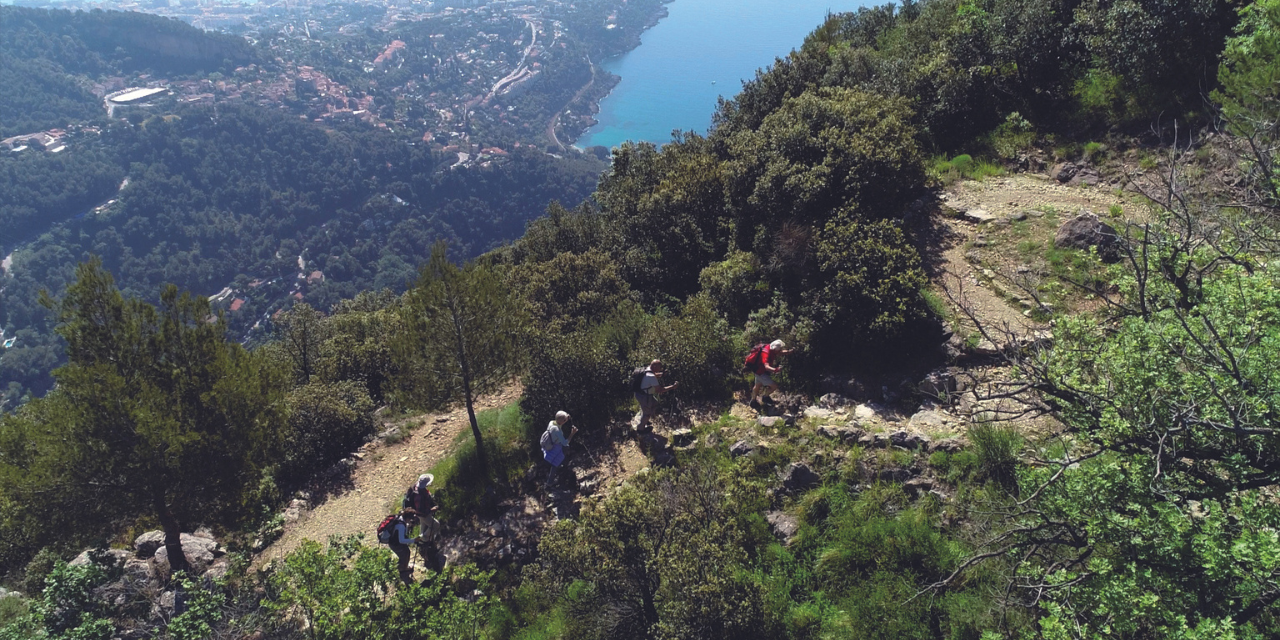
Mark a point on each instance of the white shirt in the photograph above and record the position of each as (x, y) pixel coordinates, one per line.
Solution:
(650, 381)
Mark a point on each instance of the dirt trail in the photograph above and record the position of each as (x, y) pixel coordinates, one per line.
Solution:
(1002, 197)
(381, 477)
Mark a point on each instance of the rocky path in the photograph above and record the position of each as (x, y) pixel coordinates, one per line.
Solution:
(992, 204)
(381, 477)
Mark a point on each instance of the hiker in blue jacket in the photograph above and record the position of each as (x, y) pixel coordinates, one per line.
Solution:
(400, 542)
(553, 441)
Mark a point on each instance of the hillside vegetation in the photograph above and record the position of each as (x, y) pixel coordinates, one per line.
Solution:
(1112, 478)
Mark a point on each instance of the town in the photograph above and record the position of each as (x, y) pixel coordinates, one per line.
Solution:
(476, 80)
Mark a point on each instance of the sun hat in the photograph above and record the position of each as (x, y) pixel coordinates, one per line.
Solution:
(425, 480)
(777, 344)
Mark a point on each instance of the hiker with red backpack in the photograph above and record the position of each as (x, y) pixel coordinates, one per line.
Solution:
(553, 441)
(763, 362)
(646, 386)
(394, 532)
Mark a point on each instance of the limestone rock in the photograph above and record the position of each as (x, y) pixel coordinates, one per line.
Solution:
(200, 553)
(147, 543)
(949, 445)
(979, 216)
(893, 475)
(1064, 171)
(833, 401)
(138, 571)
(682, 438)
(1087, 230)
(116, 556)
(830, 432)
(783, 526)
(938, 384)
(867, 411)
(741, 448)
(770, 422)
(929, 420)
(818, 413)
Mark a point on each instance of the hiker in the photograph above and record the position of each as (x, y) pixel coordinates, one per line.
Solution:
(394, 532)
(420, 499)
(646, 386)
(553, 441)
(763, 361)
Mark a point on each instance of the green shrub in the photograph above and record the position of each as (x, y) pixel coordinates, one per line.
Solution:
(735, 285)
(327, 421)
(583, 373)
(1012, 137)
(697, 348)
(1094, 151)
(996, 447)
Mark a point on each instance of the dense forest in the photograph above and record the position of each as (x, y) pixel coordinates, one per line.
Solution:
(1143, 507)
(229, 196)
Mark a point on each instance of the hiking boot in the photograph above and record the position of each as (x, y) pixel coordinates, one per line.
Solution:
(754, 404)
(766, 400)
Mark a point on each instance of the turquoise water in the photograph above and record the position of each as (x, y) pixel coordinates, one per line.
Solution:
(667, 82)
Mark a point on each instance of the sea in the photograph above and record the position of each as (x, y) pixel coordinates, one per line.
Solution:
(702, 50)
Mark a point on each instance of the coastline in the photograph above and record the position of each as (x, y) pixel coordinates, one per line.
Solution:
(609, 79)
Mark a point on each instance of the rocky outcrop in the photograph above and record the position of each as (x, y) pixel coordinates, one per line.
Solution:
(783, 525)
(1085, 231)
(798, 477)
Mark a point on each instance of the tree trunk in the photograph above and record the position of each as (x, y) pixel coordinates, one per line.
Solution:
(475, 426)
(172, 535)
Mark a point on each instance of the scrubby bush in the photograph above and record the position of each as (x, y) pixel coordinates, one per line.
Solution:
(697, 347)
(736, 285)
(872, 281)
(577, 373)
(327, 421)
(571, 291)
(996, 448)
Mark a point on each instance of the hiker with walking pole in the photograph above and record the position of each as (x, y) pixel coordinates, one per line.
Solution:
(553, 442)
(419, 498)
(394, 532)
(646, 386)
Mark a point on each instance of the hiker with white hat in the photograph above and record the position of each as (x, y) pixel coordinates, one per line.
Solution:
(553, 441)
(419, 498)
(763, 361)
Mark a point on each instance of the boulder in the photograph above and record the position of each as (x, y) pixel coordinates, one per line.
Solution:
(741, 448)
(866, 411)
(979, 216)
(929, 420)
(949, 445)
(908, 440)
(893, 475)
(783, 526)
(200, 553)
(850, 434)
(1087, 230)
(918, 486)
(682, 438)
(147, 543)
(938, 384)
(770, 422)
(218, 569)
(830, 432)
(113, 556)
(833, 401)
(294, 511)
(798, 477)
(818, 413)
(1064, 171)
(138, 571)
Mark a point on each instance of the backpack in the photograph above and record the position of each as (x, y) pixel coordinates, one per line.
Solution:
(754, 359)
(387, 528)
(545, 441)
(411, 500)
(637, 379)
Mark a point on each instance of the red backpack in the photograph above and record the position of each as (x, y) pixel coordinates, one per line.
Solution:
(755, 359)
(387, 528)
